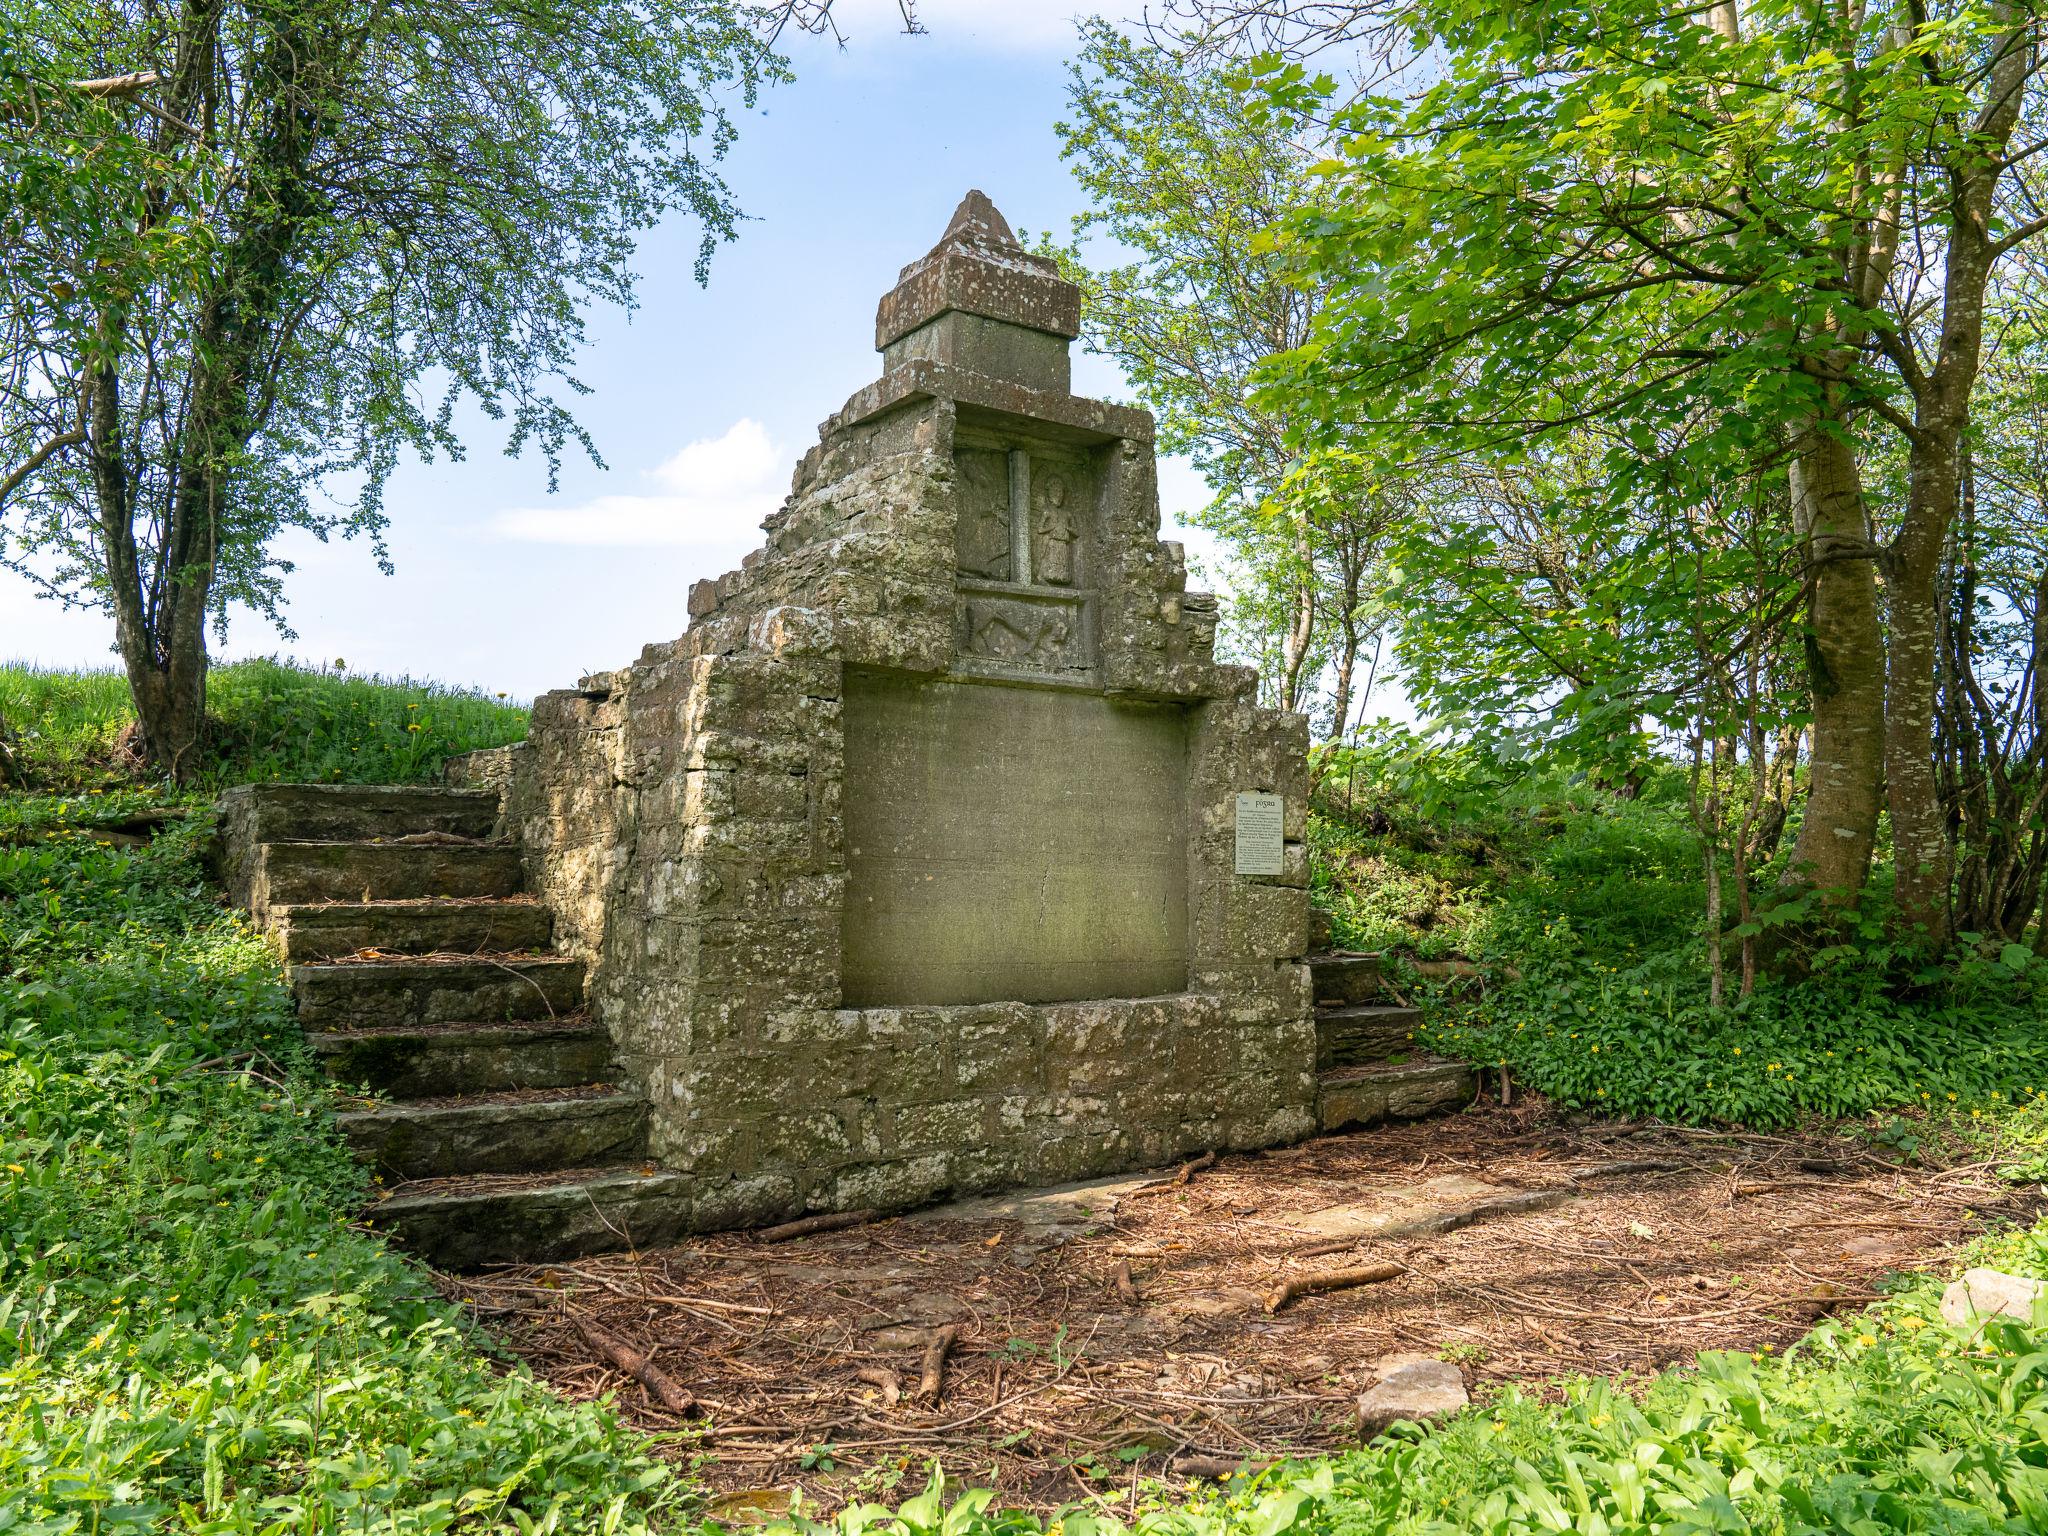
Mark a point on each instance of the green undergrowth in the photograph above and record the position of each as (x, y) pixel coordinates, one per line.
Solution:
(1642, 1038)
(269, 721)
(192, 1336)
(1887, 1421)
(1587, 909)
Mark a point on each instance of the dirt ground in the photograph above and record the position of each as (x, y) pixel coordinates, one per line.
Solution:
(1126, 1329)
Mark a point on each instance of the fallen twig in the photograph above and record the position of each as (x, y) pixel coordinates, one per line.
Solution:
(1219, 1467)
(1125, 1290)
(1628, 1165)
(887, 1382)
(804, 1226)
(663, 1387)
(1181, 1178)
(1329, 1280)
(935, 1362)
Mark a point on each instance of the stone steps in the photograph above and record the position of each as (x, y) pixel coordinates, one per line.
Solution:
(335, 930)
(422, 976)
(356, 813)
(393, 994)
(1340, 978)
(497, 1134)
(1358, 1034)
(302, 873)
(466, 1222)
(1353, 1097)
(1368, 1070)
(434, 1061)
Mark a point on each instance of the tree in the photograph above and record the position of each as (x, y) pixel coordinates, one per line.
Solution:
(255, 249)
(1190, 173)
(1745, 242)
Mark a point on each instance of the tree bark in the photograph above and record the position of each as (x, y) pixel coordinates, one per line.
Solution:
(1845, 657)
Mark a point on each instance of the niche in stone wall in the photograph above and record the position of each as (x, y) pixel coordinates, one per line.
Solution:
(1011, 844)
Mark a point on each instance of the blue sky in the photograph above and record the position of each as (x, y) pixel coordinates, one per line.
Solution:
(704, 397)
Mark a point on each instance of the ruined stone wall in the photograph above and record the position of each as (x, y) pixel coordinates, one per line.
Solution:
(686, 819)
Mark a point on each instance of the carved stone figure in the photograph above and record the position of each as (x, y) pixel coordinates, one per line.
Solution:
(983, 535)
(1021, 634)
(1053, 529)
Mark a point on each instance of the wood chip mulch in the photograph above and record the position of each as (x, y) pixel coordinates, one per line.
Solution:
(1129, 1335)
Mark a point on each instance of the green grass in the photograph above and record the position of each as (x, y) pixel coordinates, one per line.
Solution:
(270, 721)
(192, 1336)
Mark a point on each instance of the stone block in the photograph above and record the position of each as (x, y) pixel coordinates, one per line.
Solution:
(997, 1049)
(1983, 1293)
(948, 1126)
(1417, 1389)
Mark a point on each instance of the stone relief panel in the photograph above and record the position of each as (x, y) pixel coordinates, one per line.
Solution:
(983, 535)
(1017, 631)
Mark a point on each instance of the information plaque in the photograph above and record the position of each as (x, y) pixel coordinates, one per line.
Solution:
(1259, 819)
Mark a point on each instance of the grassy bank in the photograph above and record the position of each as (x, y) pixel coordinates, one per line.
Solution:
(269, 721)
(1590, 908)
(192, 1336)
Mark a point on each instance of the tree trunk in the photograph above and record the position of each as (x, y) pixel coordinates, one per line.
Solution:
(1922, 855)
(1845, 657)
(1301, 625)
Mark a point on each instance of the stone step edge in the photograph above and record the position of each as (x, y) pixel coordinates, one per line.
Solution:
(445, 840)
(517, 1104)
(463, 1222)
(1423, 1065)
(464, 1032)
(399, 906)
(488, 960)
(459, 1189)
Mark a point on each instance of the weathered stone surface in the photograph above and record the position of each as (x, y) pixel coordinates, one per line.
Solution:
(287, 874)
(454, 1225)
(1358, 1034)
(455, 1059)
(354, 812)
(330, 930)
(1345, 979)
(1983, 1293)
(1416, 1389)
(391, 993)
(1011, 844)
(1351, 1097)
(416, 1141)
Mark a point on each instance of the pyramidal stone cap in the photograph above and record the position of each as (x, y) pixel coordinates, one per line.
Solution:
(978, 268)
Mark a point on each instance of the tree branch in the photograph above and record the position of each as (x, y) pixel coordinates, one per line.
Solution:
(36, 460)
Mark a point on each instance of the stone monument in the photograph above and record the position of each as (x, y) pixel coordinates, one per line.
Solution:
(914, 867)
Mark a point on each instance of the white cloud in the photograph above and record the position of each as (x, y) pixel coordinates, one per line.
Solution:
(711, 493)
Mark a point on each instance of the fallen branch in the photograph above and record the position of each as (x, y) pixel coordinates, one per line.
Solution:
(661, 1386)
(1125, 1290)
(887, 1382)
(1181, 1178)
(935, 1362)
(1514, 1203)
(1221, 1468)
(1629, 1165)
(1324, 1250)
(805, 1226)
(1330, 1280)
